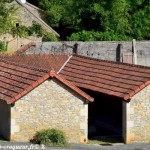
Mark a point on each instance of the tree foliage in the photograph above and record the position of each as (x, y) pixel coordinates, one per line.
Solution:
(125, 19)
(7, 17)
(3, 46)
(34, 30)
(97, 36)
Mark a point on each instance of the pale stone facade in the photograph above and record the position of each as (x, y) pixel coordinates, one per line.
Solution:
(14, 43)
(53, 105)
(136, 117)
(27, 14)
(50, 105)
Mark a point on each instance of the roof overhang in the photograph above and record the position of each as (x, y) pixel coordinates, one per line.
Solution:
(51, 74)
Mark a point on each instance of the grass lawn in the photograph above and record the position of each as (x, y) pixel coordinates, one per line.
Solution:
(1, 141)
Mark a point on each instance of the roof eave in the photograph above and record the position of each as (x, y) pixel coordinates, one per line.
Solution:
(52, 74)
(128, 97)
(28, 89)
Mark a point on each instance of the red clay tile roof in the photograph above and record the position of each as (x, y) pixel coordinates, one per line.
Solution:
(16, 80)
(45, 61)
(117, 79)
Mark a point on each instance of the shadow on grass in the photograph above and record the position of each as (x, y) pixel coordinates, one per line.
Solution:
(105, 140)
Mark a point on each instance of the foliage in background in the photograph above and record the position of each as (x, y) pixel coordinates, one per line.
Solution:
(126, 18)
(34, 30)
(3, 46)
(6, 1)
(7, 17)
(121, 19)
(49, 37)
(23, 31)
(140, 19)
(97, 36)
(51, 137)
(8, 24)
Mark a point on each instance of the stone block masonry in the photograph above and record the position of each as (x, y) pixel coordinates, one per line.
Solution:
(50, 105)
(137, 117)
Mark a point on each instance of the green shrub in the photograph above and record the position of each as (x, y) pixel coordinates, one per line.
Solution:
(49, 37)
(3, 46)
(51, 137)
(36, 28)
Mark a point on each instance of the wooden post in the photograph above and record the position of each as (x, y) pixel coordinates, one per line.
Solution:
(134, 51)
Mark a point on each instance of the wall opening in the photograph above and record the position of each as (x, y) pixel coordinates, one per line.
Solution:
(104, 117)
(17, 24)
(5, 120)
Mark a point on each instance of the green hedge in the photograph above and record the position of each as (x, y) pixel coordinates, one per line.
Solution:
(49, 37)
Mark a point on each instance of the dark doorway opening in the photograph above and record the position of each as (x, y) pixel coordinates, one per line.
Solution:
(104, 116)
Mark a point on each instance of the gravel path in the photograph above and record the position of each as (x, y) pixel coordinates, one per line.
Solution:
(119, 146)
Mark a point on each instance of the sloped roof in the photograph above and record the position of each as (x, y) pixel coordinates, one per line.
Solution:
(16, 80)
(117, 79)
(45, 61)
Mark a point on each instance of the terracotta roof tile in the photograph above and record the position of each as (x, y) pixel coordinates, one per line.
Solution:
(17, 79)
(44, 61)
(117, 79)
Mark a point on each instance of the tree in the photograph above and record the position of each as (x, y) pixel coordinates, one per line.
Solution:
(140, 20)
(7, 17)
(122, 18)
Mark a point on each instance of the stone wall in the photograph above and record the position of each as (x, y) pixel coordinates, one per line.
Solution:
(37, 11)
(26, 15)
(25, 18)
(50, 105)
(101, 49)
(137, 117)
(23, 15)
(107, 50)
(4, 120)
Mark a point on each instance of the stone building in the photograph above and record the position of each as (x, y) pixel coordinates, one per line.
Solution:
(121, 93)
(26, 15)
(34, 99)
